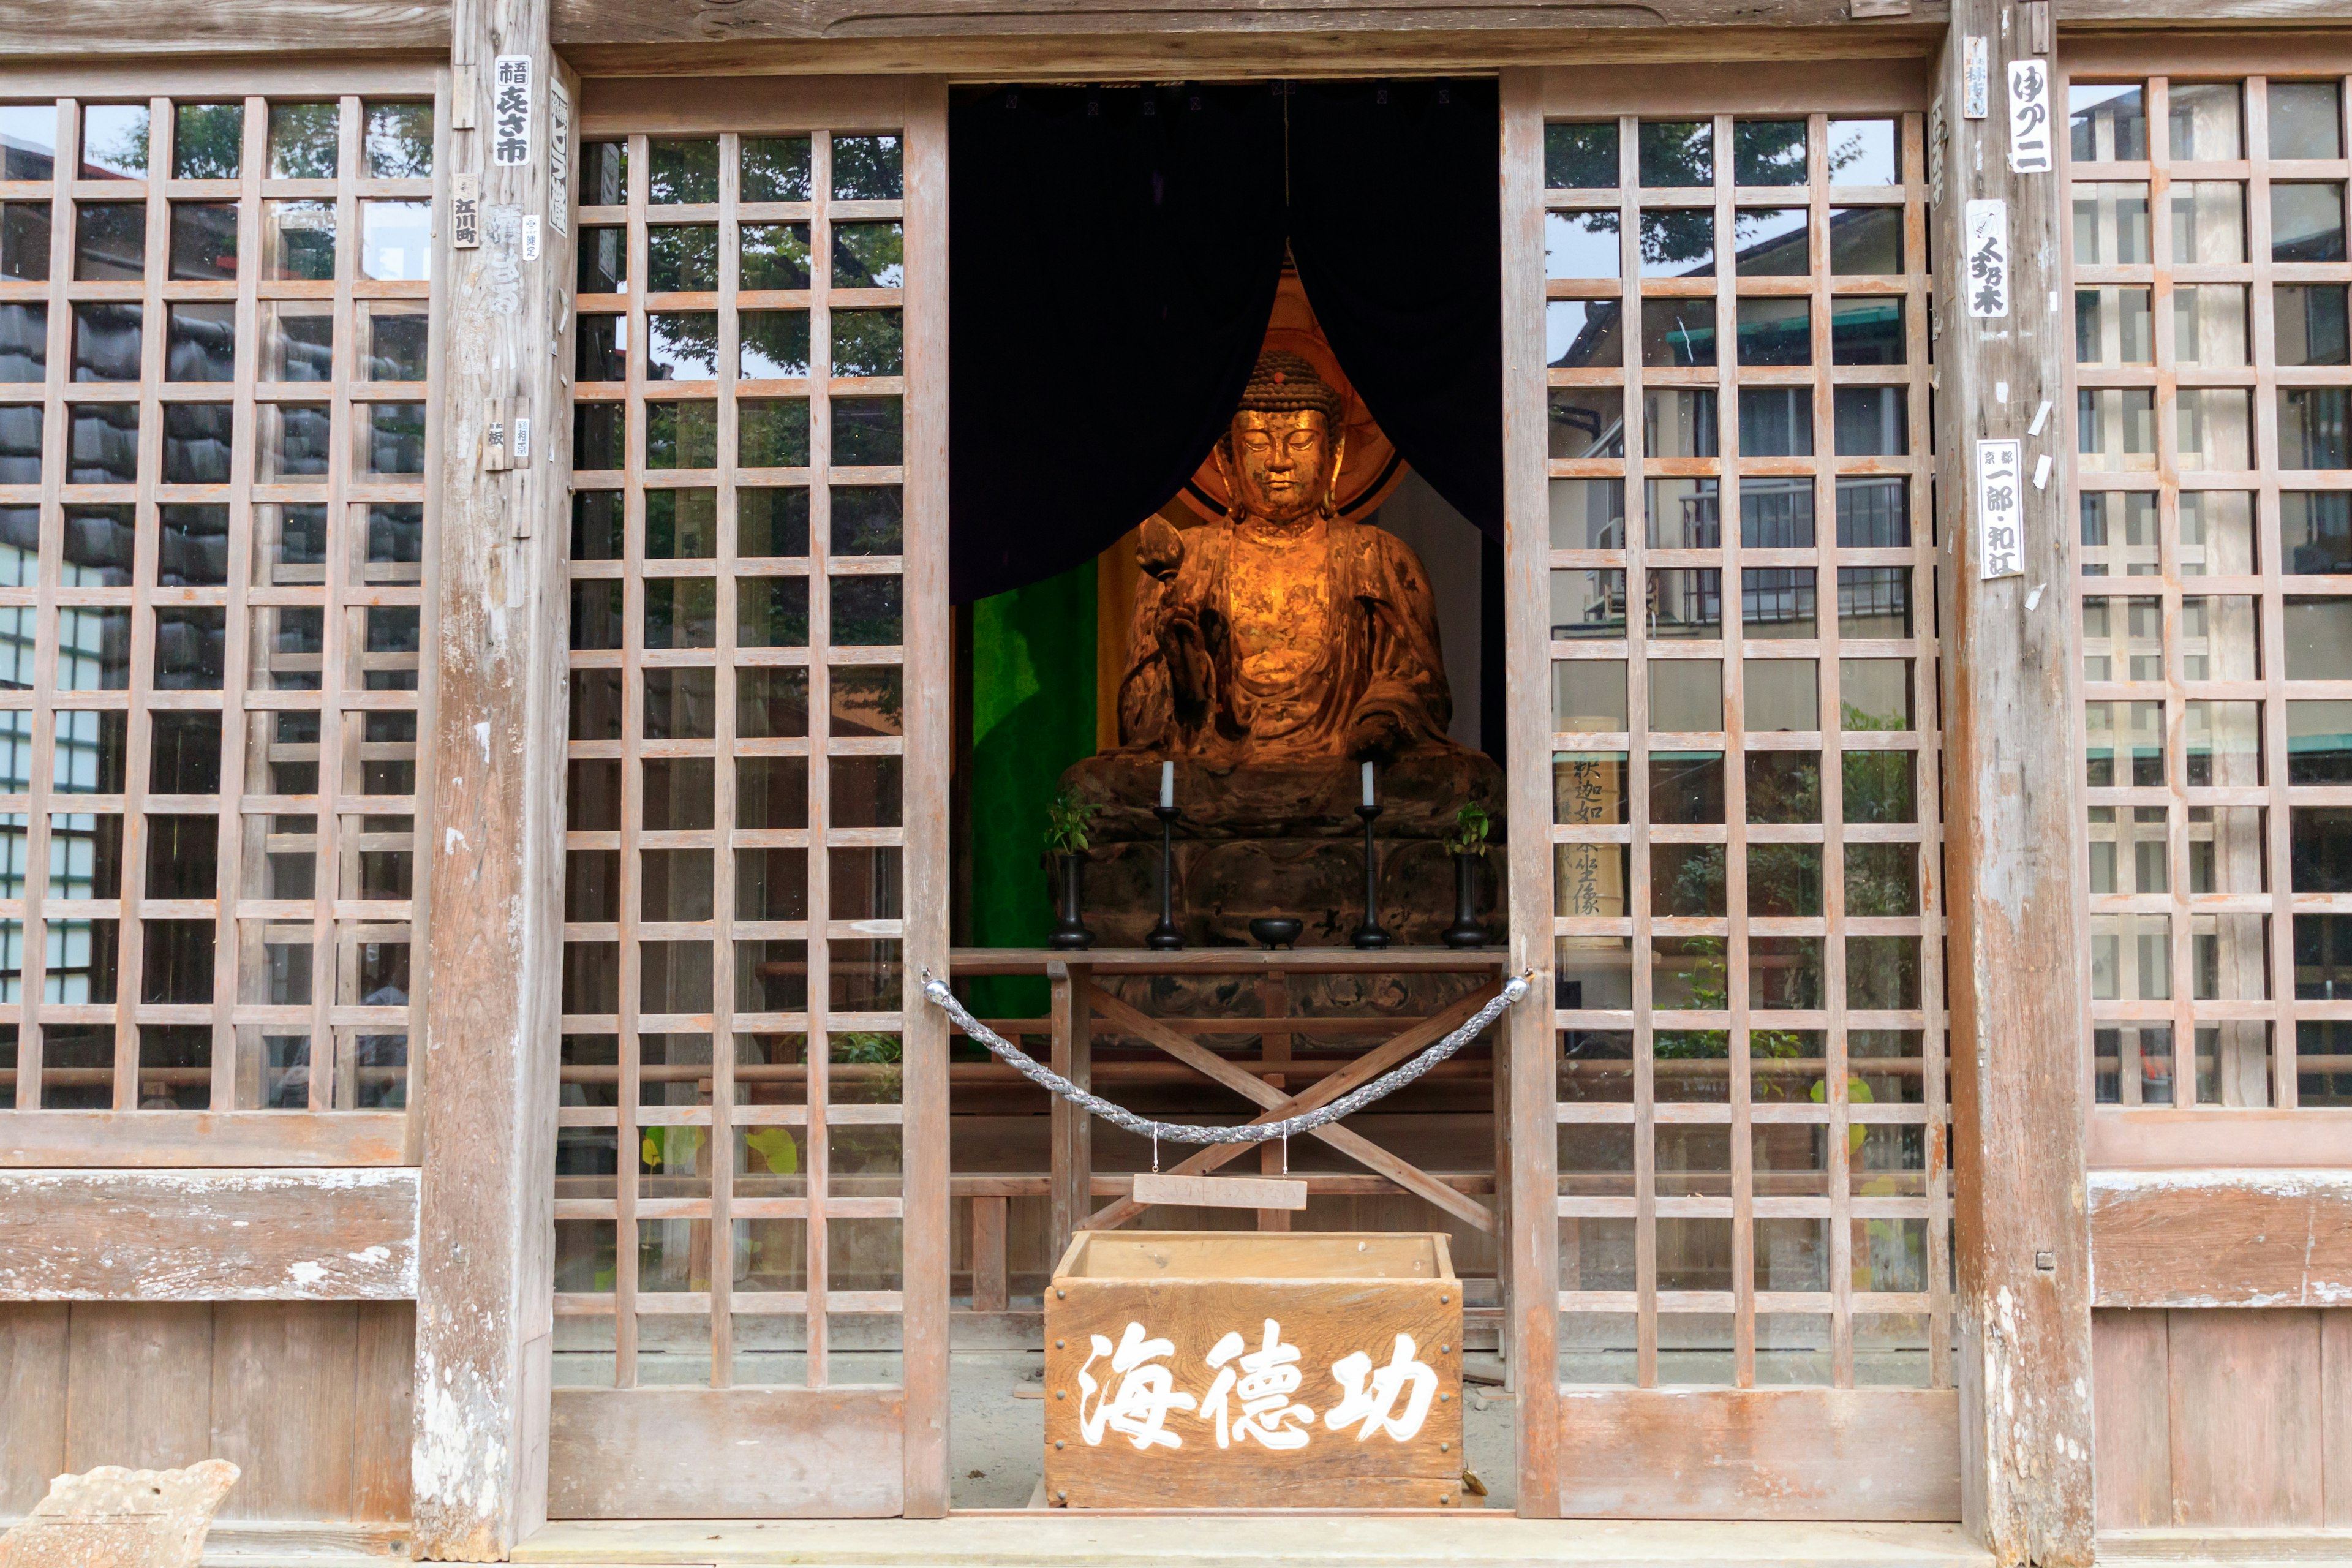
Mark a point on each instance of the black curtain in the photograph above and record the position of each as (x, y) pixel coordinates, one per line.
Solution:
(1113, 255)
(1113, 259)
(1396, 225)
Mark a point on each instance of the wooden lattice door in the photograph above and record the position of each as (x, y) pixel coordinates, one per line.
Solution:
(1753, 1201)
(751, 1185)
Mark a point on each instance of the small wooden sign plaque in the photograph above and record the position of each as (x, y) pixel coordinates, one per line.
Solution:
(1221, 1191)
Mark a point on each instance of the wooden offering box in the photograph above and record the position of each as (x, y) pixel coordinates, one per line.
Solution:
(1242, 1368)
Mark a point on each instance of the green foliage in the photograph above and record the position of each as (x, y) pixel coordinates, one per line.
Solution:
(1065, 824)
(1471, 826)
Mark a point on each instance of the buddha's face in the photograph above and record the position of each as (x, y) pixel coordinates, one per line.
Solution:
(1279, 463)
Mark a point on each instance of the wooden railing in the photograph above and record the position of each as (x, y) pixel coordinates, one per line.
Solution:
(1275, 1079)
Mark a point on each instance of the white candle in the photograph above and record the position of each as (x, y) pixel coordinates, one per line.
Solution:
(1367, 783)
(1167, 784)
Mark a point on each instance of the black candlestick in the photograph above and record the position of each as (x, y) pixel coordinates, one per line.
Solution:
(1165, 936)
(1370, 935)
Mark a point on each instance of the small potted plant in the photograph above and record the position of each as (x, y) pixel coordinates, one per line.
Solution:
(1065, 839)
(1468, 843)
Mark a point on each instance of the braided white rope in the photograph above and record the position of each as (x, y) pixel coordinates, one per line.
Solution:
(1346, 1104)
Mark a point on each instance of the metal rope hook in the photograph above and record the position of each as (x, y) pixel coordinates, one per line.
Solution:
(1119, 1116)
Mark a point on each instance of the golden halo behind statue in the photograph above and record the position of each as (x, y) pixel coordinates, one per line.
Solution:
(1368, 468)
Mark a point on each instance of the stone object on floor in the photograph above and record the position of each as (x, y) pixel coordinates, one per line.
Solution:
(114, 1518)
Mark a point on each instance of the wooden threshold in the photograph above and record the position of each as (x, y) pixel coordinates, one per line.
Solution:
(1015, 1539)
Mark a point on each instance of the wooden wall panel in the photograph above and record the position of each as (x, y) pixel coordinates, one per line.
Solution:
(2245, 1418)
(207, 1235)
(2130, 1404)
(32, 1402)
(2336, 1417)
(301, 1367)
(2247, 1239)
(139, 1384)
(660, 1453)
(1757, 1453)
(311, 1400)
(384, 1362)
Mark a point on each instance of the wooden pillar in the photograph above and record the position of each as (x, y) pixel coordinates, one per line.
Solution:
(483, 1309)
(2014, 861)
(1071, 1131)
(1526, 1184)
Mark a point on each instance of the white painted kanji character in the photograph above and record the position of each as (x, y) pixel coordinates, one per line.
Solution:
(1371, 1392)
(1147, 1393)
(1268, 1376)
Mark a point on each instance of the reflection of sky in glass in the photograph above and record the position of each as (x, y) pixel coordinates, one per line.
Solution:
(1570, 322)
(1581, 244)
(1864, 153)
(682, 347)
(397, 240)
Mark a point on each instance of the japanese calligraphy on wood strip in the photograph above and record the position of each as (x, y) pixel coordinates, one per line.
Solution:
(1177, 1373)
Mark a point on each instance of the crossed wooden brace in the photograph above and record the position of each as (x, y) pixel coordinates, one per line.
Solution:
(1126, 1020)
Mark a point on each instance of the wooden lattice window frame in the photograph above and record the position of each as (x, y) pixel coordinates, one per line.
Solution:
(2148, 1098)
(351, 1114)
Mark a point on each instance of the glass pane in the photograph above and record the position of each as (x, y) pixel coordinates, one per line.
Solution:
(1580, 156)
(207, 140)
(776, 169)
(399, 141)
(1582, 244)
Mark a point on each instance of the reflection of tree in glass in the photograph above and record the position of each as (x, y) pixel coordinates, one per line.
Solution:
(868, 343)
(302, 141)
(119, 146)
(683, 172)
(867, 612)
(207, 140)
(774, 256)
(775, 343)
(869, 255)
(682, 257)
(867, 169)
(399, 141)
(683, 346)
(1682, 154)
(776, 169)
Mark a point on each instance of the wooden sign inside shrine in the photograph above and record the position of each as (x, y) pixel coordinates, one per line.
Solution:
(1224, 1369)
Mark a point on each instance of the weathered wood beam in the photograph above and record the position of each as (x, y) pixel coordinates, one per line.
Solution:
(485, 1308)
(2196, 1137)
(2241, 1238)
(1526, 1127)
(60, 29)
(40, 1139)
(2015, 868)
(836, 21)
(208, 1236)
(1247, 45)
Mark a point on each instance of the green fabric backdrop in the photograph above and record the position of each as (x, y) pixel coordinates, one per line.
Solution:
(1033, 714)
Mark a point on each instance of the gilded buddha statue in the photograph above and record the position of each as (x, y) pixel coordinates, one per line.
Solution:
(1275, 649)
